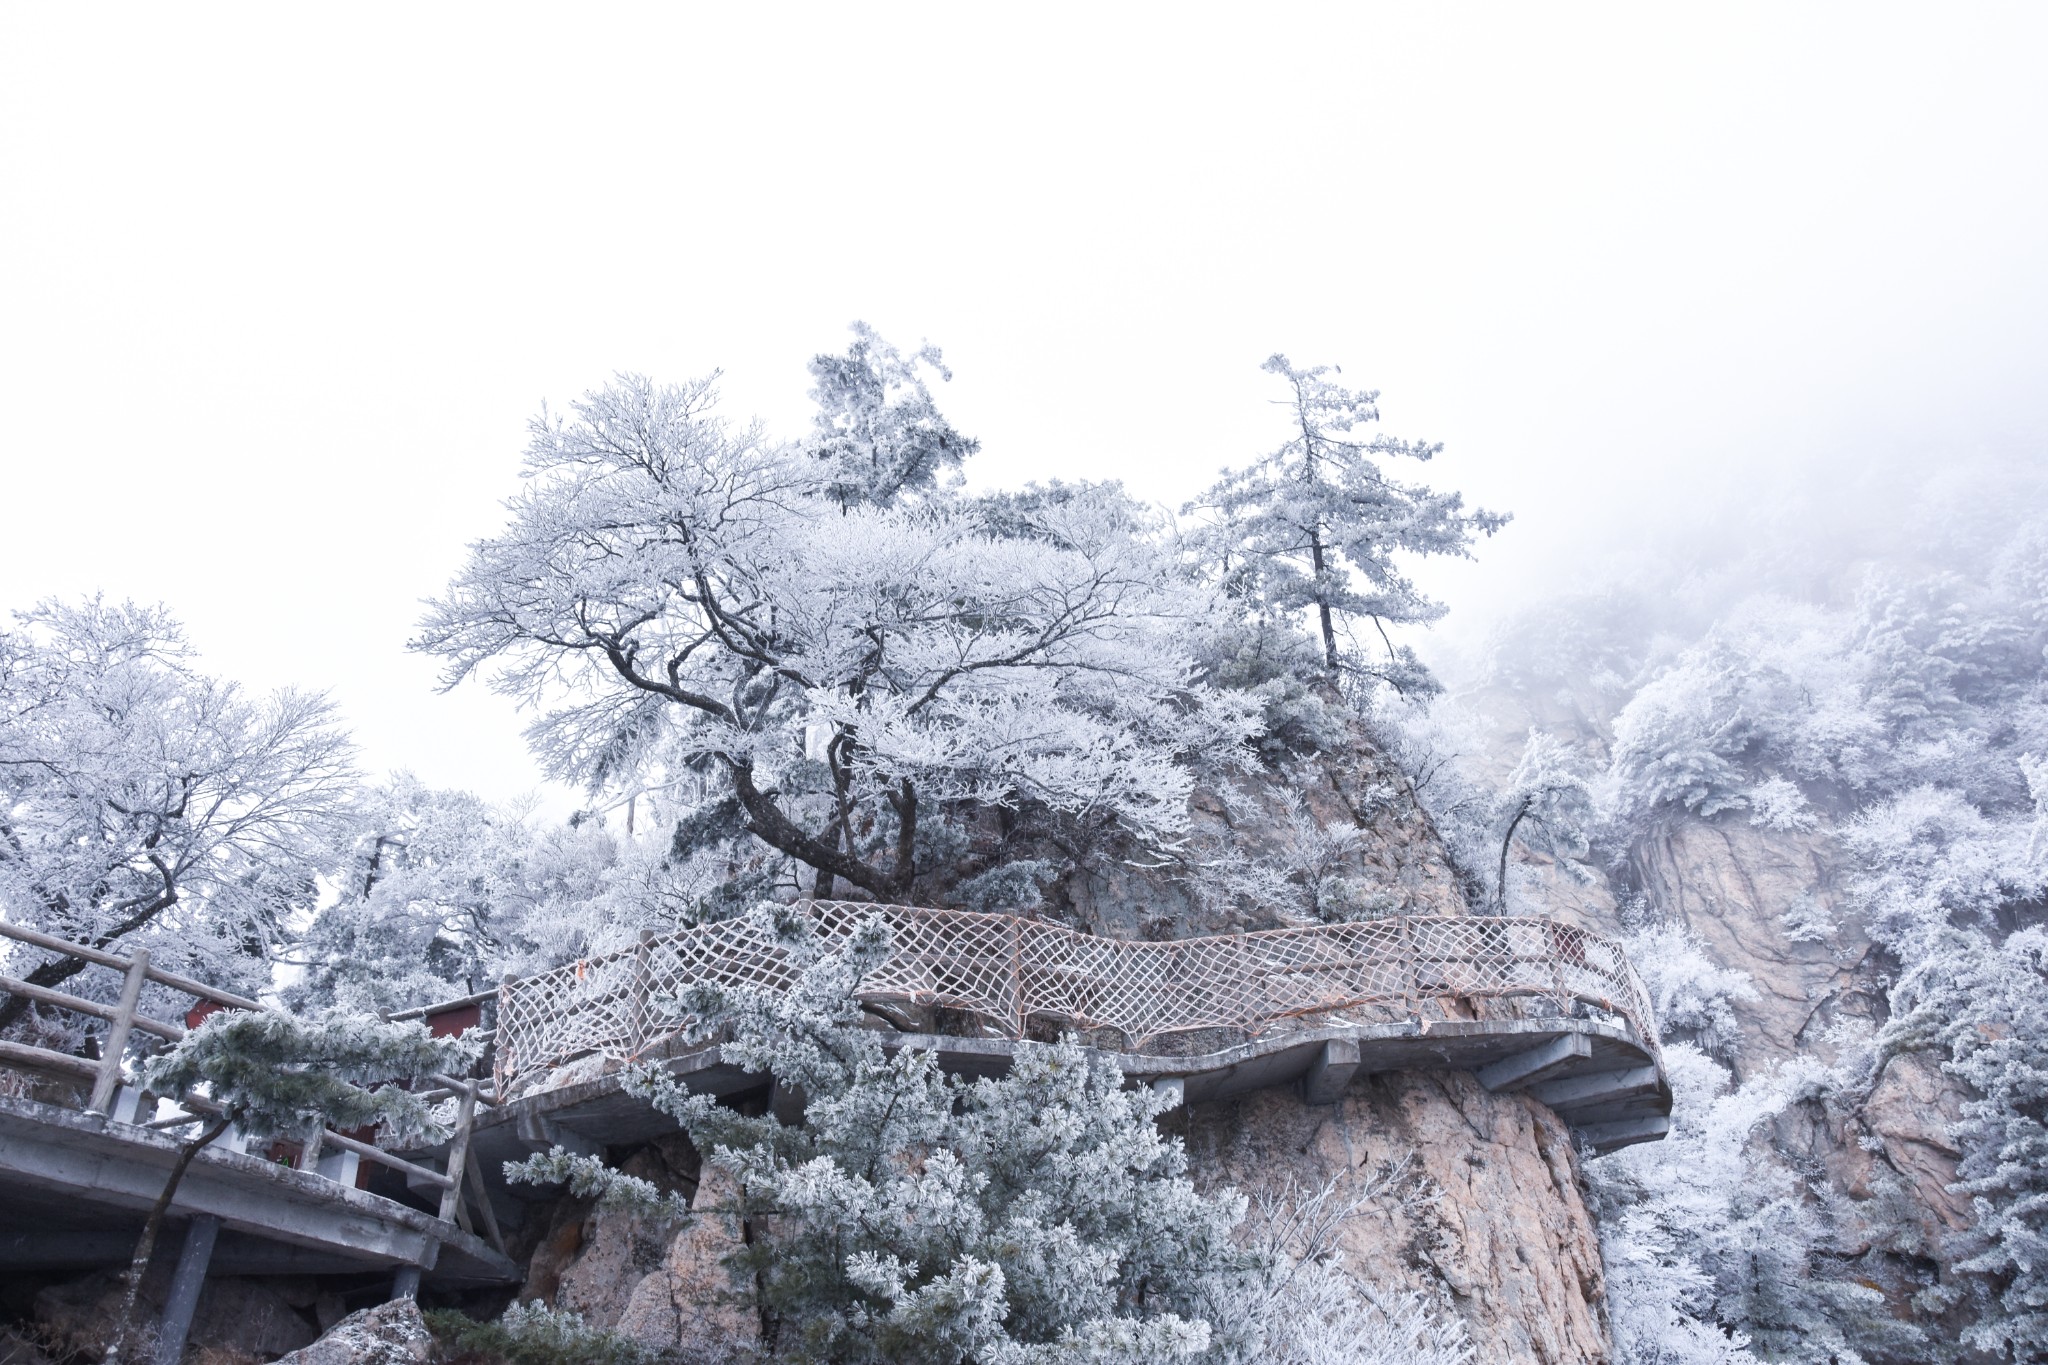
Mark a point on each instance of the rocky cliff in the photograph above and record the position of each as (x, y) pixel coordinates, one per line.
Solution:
(1768, 905)
(1474, 1199)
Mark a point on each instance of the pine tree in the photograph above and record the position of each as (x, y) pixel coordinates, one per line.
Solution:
(1316, 526)
(913, 1216)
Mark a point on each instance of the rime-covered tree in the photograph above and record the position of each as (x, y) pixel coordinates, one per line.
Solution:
(144, 801)
(835, 680)
(420, 904)
(1317, 525)
(1879, 716)
(1548, 801)
(2002, 1053)
(877, 430)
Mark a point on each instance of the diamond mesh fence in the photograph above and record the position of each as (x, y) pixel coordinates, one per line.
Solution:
(1014, 976)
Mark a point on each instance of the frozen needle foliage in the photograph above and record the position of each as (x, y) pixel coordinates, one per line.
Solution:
(914, 1216)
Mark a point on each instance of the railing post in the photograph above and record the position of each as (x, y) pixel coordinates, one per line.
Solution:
(1411, 984)
(458, 1151)
(1017, 975)
(501, 1050)
(643, 971)
(109, 1079)
(1563, 999)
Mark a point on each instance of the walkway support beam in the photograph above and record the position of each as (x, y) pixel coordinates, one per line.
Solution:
(186, 1282)
(1595, 1087)
(1526, 1068)
(1329, 1075)
(1623, 1133)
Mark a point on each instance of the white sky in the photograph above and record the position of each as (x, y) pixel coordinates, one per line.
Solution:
(279, 287)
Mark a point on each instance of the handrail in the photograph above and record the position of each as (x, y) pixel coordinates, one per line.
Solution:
(443, 1006)
(106, 959)
(106, 1073)
(43, 995)
(328, 1138)
(1010, 972)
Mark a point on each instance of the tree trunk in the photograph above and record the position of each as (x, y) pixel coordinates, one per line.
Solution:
(145, 1245)
(1500, 880)
(905, 803)
(1315, 549)
(766, 821)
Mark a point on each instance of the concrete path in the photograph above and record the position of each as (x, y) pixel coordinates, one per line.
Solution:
(75, 1188)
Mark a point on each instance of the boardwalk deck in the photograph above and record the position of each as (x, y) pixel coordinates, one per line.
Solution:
(1526, 1005)
(74, 1188)
(1608, 1099)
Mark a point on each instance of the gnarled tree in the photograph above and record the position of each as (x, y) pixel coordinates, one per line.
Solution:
(687, 598)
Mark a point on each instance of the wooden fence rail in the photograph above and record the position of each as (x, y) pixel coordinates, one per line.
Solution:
(123, 1018)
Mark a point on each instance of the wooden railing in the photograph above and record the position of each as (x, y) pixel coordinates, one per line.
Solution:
(108, 1073)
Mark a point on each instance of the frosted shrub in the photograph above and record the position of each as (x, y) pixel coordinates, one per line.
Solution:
(914, 1216)
(1292, 1303)
(535, 1334)
(1690, 995)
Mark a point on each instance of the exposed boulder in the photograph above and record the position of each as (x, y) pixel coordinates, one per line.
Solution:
(248, 1319)
(591, 1262)
(691, 1302)
(389, 1334)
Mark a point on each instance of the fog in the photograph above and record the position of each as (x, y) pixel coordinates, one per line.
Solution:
(279, 290)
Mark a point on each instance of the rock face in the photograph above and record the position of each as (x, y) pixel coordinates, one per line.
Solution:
(687, 1303)
(389, 1334)
(656, 1284)
(1768, 903)
(1734, 885)
(236, 1319)
(1470, 1197)
(1329, 835)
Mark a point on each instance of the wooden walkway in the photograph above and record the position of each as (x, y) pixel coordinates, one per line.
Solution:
(81, 1166)
(1524, 1004)
(1012, 977)
(75, 1187)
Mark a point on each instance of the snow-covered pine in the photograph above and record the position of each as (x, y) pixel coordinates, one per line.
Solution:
(1034, 1218)
(877, 430)
(282, 1075)
(273, 1074)
(1316, 526)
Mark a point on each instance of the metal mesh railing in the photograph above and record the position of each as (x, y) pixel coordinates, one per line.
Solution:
(1011, 973)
